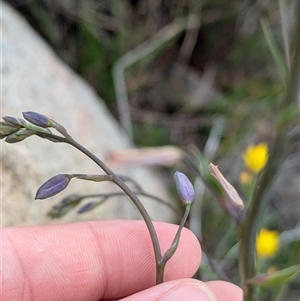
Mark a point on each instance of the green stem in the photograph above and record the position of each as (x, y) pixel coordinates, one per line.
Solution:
(133, 197)
(248, 229)
(157, 199)
(292, 93)
(156, 247)
(172, 249)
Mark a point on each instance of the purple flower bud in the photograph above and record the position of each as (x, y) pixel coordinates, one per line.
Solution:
(38, 119)
(59, 211)
(87, 207)
(18, 136)
(72, 199)
(64, 206)
(184, 188)
(53, 186)
(17, 122)
(6, 129)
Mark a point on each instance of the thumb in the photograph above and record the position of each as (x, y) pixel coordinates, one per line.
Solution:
(176, 290)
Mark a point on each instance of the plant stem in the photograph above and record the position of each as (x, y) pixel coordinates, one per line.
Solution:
(248, 229)
(292, 93)
(170, 252)
(135, 200)
(139, 193)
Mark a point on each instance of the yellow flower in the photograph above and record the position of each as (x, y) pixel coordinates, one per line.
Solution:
(267, 243)
(256, 157)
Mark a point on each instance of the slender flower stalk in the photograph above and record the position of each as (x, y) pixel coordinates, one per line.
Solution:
(249, 228)
(133, 197)
(172, 249)
(186, 194)
(60, 182)
(58, 210)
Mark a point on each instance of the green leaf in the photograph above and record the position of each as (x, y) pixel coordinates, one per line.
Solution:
(275, 278)
(274, 51)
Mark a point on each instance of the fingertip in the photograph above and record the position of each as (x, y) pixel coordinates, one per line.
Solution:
(176, 290)
(79, 260)
(225, 290)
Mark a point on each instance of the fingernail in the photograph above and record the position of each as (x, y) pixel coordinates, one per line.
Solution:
(189, 292)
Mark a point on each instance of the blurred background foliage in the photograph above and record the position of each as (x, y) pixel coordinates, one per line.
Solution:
(221, 65)
(214, 61)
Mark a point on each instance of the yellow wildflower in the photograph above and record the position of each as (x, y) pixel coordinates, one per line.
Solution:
(256, 157)
(267, 243)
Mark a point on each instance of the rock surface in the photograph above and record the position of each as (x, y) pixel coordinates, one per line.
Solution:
(35, 79)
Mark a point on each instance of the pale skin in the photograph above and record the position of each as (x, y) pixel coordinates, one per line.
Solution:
(102, 260)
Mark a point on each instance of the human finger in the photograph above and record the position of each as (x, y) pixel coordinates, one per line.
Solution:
(225, 290)
(175, 290)
(90, 260)
(189, 289)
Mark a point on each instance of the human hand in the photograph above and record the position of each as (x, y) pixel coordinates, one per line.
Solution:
(102, 260)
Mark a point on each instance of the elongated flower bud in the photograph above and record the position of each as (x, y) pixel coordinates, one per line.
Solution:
(87, 207)
(18, 136)
(64, 206)
(184, 188)
(17, 122)
(53, 186)
(229, 198)
(73, 199)
(60, 211)
(38, 119)
(6, 129)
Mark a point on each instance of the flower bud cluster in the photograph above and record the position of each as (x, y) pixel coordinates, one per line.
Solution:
(17, 129)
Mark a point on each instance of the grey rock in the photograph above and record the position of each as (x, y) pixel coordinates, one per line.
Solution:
(35, 79)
